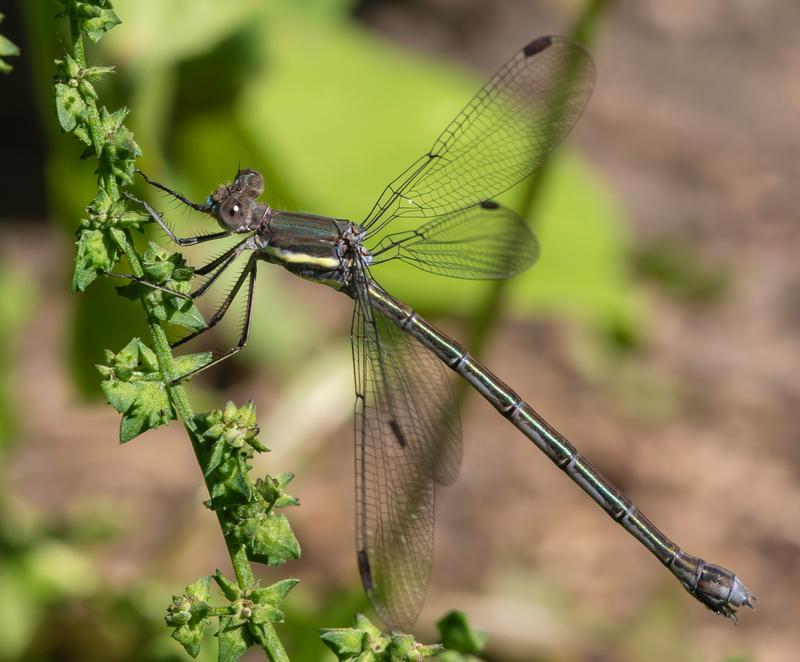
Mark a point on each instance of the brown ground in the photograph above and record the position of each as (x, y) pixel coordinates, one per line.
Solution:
(694, 124)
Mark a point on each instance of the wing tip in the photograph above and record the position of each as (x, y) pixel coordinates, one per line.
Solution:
(489, 204)
(537, 46)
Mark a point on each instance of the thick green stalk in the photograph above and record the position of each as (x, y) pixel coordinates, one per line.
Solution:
(161, 346)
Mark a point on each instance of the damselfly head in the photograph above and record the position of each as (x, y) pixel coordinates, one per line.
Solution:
(233, 203)
(248, 183)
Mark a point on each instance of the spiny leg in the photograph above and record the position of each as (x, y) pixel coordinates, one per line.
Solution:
(221, 265)
(223, 262)
(175, 194)
(181, 241)
(248, 273)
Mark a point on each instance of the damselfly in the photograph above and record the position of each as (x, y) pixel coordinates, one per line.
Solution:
(437, 215)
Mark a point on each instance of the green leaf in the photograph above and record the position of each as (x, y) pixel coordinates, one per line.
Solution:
(268, 537)
(228, 440)
(457, 635)
(70, 107)
(104, 212)
(134, 388)
(234, 639)
(191, 362)
(271, 490)
(115, 147)
(148, 406)
(346, 643)
(199, 590)
(188, 614)
(405, 647)
(229, 589)
(261, 614)
(168, 270)
(97, 73)
(7, 48)
(97, 252)
(231, 485)
(273, 594)
(362, 642)
(95, 17)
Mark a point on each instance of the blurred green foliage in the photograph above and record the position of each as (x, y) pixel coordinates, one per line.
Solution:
(17, 299)
(674, 265)
(7, 49)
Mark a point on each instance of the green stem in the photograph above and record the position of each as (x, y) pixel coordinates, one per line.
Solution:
(274, 648)
(241, 564)
(161, 347)
(78, 50)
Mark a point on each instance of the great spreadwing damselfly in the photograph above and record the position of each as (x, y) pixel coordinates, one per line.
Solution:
(437, 215)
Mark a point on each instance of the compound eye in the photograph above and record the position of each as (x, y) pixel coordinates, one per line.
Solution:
(232, 213)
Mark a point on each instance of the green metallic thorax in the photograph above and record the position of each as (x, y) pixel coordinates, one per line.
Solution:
(318, 248)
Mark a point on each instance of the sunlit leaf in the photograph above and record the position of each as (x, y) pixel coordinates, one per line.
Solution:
(133, 387)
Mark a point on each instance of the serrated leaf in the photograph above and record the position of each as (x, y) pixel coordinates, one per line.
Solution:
(95, 28)
(199, 589)
(96, 252)
(191, 362)
(268, 538)
(168, 270)
(346, 643)
(179, 312)
(7, 48)
(275, 593)
(143, 405)
(231, 485)
(264, 613)
(234, 640)
(188, 614)
(97, 73)
(215, 457)
(133, 387)
(363, 623)
(271, 488)
(82, 134)
(229, 589)
(457, 634)
(118, 150)
(70, 107)
(190, 637)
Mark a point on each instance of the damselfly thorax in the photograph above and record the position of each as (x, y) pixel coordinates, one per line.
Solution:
(319, 248)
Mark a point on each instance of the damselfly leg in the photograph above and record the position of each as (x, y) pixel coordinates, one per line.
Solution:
(215, 268)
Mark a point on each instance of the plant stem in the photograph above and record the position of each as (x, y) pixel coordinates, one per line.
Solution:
(161, 346)
(274, 648)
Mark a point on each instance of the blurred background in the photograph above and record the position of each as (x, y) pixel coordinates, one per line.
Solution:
(659, 330)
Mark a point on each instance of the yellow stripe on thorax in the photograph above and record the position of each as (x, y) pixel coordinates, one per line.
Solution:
(293, 257)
